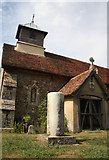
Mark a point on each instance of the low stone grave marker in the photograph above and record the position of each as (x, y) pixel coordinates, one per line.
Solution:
(31, 129)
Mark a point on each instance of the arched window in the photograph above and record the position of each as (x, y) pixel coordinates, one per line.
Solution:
(33, 95)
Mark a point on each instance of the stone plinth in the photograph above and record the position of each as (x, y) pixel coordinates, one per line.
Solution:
(55, 114)
(61, 140)
(58, 140)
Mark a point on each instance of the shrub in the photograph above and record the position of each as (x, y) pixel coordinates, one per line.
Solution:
(65, 125)
(41, 124)
(18, 127)
(21, 127)
(26, 120)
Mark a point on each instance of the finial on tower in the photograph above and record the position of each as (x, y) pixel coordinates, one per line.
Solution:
(33, 18)
(91, 65)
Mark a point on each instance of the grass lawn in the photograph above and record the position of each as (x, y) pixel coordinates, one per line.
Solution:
(90, 144)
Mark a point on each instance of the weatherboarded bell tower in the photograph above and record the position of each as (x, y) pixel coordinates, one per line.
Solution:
(30, 39)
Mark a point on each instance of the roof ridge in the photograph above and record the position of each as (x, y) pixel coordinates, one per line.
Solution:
(68, 58)
(82, 73)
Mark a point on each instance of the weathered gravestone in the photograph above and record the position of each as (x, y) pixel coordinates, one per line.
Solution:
(31, 129)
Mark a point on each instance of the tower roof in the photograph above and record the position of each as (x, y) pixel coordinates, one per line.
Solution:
(31, 25)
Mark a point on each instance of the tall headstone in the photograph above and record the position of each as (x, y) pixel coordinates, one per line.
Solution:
(55, 114)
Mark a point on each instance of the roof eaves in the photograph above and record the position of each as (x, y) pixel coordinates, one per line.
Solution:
(34, 70)
(101, 83)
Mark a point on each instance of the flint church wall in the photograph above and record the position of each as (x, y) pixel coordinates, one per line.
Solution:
(32, 88)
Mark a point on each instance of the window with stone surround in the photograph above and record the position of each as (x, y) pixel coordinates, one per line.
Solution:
(33, 95)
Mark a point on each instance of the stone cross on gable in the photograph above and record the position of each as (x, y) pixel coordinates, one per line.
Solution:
(92, 61)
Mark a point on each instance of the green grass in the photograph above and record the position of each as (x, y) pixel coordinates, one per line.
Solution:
(23, 145)
(89, 152)
(89, 145)
(93, 148)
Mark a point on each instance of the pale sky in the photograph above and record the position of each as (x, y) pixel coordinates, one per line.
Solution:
(75, 29)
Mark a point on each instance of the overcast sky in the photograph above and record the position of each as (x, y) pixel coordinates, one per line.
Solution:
(75, 29)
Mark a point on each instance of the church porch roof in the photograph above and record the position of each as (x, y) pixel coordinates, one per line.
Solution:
(75, 84)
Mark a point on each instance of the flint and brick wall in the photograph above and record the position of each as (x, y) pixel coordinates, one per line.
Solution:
(42, 82)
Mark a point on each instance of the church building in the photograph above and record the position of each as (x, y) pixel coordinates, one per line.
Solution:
(28, 73)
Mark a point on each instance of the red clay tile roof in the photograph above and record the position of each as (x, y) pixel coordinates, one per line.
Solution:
(74, 85)
(51, 63)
